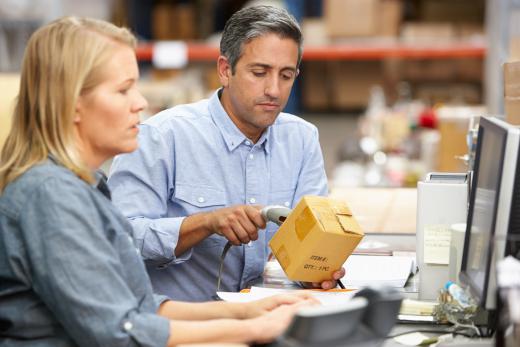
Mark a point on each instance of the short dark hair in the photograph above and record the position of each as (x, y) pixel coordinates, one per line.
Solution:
(253, 22)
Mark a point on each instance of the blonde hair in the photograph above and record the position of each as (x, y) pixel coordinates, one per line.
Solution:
(62, 60)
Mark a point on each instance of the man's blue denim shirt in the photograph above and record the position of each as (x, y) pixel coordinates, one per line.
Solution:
(192, 158)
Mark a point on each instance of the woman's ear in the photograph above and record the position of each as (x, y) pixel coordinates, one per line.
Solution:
(77, 111)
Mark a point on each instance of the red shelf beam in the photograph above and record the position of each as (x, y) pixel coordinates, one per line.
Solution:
(203, 52)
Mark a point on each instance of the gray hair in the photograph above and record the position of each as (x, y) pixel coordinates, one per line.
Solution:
(253, 22)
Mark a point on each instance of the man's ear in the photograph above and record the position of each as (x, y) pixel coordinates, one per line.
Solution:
(224, 70)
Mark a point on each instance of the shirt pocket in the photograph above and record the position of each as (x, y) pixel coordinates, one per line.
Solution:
(195, 199)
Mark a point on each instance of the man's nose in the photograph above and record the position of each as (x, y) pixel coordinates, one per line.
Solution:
(272, 87)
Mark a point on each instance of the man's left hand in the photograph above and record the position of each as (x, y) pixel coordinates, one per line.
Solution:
(329, 284)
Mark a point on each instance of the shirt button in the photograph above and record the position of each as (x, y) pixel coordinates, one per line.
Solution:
(252, 200)
(251, 156)
(286, 204)
(248, 143)
(201, 199)
(128, 326)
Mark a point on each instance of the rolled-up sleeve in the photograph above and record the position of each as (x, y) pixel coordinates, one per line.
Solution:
(141, 183)
(77, 270)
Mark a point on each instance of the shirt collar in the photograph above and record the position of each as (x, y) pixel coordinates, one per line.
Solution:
(100, 178)
(233, 137)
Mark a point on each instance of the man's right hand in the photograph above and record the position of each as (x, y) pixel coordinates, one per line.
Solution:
(239, 224)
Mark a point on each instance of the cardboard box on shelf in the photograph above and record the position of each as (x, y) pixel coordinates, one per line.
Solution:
(470, 31)
(9, 84)
(453, 70)
(173, 22)
(162, 22)
(448, 93)
(428, 70)
(514, 49)
(314, 31)
(351, 82)
(315, 86)
(316, 239)
(185, 22)
(347, 18)
(512, 92)
(390, 14)
(351, 18)
(427, 33)
(469, 69)
(452, 10)
(454, 123)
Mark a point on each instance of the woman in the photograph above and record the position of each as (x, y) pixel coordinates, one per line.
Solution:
(70, 272)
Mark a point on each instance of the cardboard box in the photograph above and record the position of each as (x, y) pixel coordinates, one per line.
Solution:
(428, 33)
(514, 49)
(9, 85)
(452, 10)
(512, 92)
(315, 86)
(346, 18)
(390, 14)
(352, 81)
(316, 239)
(448, 93)
(314, 31)
(454, 123)
(173, 22)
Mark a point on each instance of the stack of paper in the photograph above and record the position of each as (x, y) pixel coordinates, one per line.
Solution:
(326, 297)
(361, 271)
(364, 270)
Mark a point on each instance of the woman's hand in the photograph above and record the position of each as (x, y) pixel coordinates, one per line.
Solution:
(274, 322)
(259, 307)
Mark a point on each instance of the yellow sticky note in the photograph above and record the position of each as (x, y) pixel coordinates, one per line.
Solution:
(437, 239)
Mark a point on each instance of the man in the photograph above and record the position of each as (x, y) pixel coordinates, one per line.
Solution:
(203, 170)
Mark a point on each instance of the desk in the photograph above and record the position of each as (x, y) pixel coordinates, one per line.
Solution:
(457, 342)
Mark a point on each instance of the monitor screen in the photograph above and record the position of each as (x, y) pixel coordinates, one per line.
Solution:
(494, 208)
(482, 215)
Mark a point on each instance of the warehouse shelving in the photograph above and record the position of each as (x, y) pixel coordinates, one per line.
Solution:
(198, 52)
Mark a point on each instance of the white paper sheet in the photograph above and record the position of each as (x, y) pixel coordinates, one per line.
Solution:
(363, 270)
(257, 293)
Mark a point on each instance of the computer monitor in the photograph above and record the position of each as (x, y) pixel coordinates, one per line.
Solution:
(494, 209)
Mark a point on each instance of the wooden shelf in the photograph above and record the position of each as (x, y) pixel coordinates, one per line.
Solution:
(200, 52)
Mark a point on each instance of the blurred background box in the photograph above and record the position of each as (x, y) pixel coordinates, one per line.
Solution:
(347, 18)
(174, 21)
(315, 87)
(452, 10)
(427, 33)
(9, 84)
(448, 93)
(314, 31)
(390, 16)
(351, 82)
(469, 69)
(514, 48)
(351, 18)
(512, 92)
(454, 124)
(427, 69)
